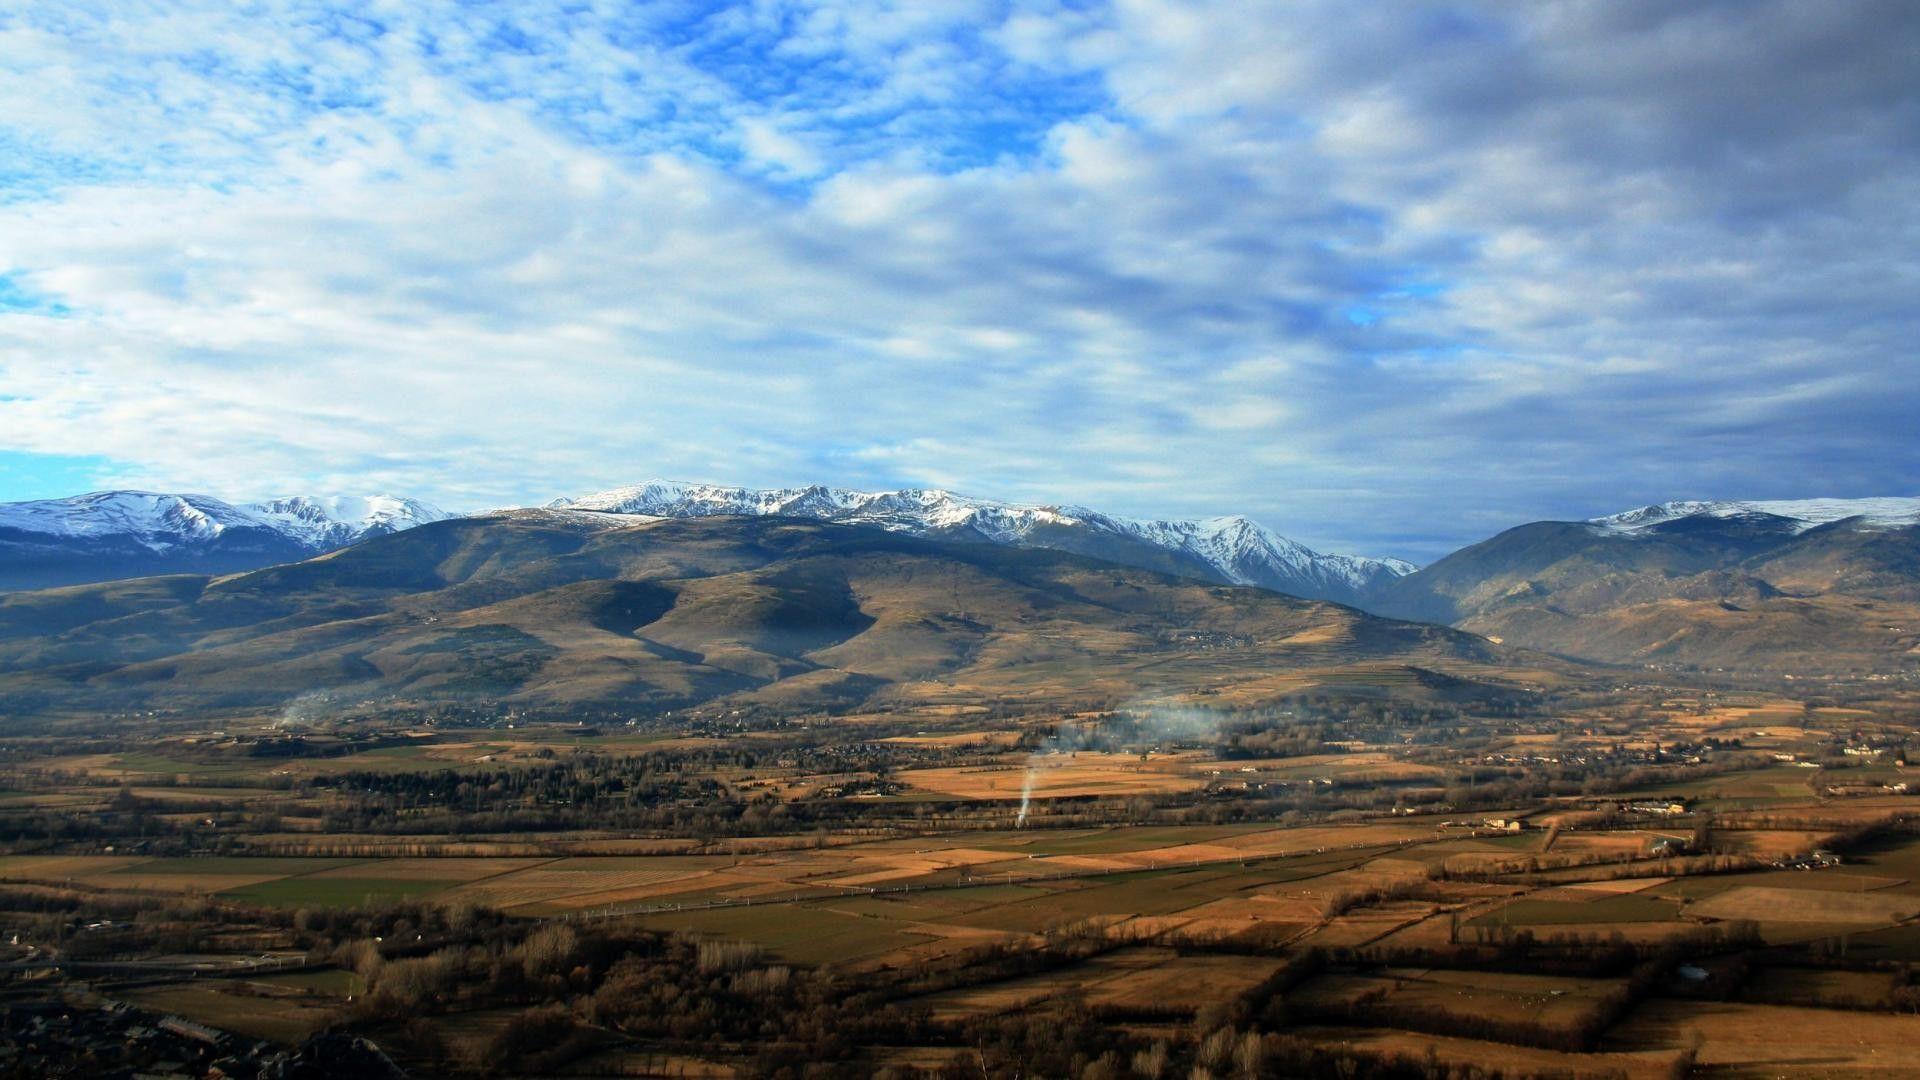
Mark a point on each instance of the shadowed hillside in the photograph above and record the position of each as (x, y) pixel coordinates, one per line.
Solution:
(550, 608)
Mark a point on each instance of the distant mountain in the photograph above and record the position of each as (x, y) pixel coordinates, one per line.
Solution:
(109, 535)
(1229, 550)
(553, 608)
(1795, 515)
(1817, 585)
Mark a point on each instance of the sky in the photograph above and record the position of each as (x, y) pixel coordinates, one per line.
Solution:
(1386, 277)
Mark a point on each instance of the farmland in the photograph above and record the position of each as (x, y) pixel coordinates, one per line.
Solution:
(1544, 896)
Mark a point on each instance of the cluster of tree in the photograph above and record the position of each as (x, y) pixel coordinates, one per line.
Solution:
(1577, 1033)
(663, 989)
(103, 926)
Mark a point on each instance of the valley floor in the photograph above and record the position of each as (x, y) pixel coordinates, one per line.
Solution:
(1733, 890)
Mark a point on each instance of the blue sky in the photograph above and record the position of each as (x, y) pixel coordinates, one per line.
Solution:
(1386, 277)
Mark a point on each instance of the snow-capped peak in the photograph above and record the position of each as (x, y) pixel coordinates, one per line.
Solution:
(1801, 514)
(1235, 549)
(911, 509)
(1248, 553)
(152, 518)
(160, 522)
(334, 520)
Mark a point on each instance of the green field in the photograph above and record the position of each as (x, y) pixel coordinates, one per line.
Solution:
(1752, 789)
(332, 892)
(284, 1020)
(330, 981)
(800, 933)
(142, 761)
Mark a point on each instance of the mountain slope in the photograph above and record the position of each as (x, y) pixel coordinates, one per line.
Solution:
(1229, 550)
(1813, 586)
(557, 608)
(108, 535)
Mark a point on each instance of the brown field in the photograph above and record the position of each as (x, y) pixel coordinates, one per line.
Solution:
(1367, 925)
(1618, 885)
(1359, 765)
(1130, 979)
(1817, 987)
(958, 738)
(1262, 859)
(1059, 776)
(1510, 1060)
(60, 867)
(1188, 982)
(1772, 843)
(190, 883)
(1830, 814)
(1766, 904)
(1544, 999)
(1742, 1040)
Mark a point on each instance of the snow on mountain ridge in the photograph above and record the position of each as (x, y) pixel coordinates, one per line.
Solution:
(342, 519)
(160, 521)
(1239, 550)
(1894, 512)
(159, 518)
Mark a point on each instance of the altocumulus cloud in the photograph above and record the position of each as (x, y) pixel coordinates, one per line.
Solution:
(1385, 276)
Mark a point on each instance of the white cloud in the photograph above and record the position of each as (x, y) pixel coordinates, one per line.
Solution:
(491, 257)
(764, 142)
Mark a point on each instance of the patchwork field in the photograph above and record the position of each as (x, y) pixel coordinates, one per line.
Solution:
(1753, 1041)
(1434, 935)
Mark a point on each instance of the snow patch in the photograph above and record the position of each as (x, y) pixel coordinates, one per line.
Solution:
(1801, 514)
(1241, 551)
(161, 522)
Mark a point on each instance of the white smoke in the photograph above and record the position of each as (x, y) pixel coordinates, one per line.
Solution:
(309, 708)
(1155, 724)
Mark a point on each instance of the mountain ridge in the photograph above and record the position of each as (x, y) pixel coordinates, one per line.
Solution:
(1799, 514)
(109, 535)
(1807, 586)
(1813, 583)
(554, 608)
(1231, 550)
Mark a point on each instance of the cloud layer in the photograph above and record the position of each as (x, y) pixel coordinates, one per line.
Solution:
(1386, 277)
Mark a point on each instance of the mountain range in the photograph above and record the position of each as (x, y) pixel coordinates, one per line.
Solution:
(1822, 585)
(119, 534)
(564, 608)
(1816, 585)
(108, 535)
(1228, 550)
